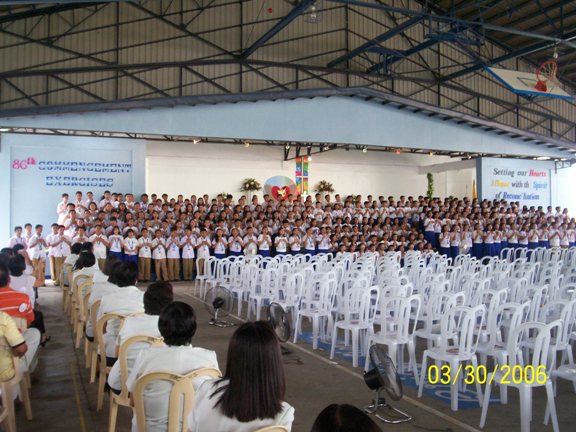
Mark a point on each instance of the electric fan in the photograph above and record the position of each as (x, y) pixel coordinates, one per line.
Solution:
(219, 302)
(383, 376)
(280, 322)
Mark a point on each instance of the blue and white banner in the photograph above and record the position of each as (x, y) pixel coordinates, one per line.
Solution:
(40, 168)
(515, 180)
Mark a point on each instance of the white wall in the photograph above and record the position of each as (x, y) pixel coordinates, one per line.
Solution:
(185, 168)
(562, 189)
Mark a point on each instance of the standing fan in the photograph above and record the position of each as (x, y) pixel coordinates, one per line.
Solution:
(280, 322)
(219, 302)
(383, 376)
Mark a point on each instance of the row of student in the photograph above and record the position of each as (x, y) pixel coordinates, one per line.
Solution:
(409, 208)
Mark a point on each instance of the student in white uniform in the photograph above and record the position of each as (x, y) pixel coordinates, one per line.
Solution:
(264, 242)
(158, 295)
(235, 243)
(144, 255)
(100, 242)
(52, 240)
(251, 394)
(173, 256)
(17, 238)
(18, 280)
(61, 208)
(295, 242)
(203, 245)
(127, 300)
(37, 245)
(102, 288)
(281, 242)
(177, 325)
(159, 256)
(188, 243)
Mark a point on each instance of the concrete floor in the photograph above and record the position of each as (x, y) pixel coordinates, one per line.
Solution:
(63, 400)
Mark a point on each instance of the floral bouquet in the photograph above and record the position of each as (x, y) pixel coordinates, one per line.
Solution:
(250, 185)
(324, 186)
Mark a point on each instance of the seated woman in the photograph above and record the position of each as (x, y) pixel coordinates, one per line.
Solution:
(84, 266)
(177, 325)
(19, 281)
(343, 418)
(250, 395)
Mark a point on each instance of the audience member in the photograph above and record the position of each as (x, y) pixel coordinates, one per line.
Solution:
(128, 299)
(343, 418)
(156, 298)
(251, 393)
(18, 306)
(177, 325)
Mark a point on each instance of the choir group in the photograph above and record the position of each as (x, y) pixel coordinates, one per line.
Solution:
(166, 235)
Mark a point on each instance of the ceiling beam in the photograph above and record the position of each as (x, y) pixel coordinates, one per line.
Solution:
(377, 40)
(278, 27)
(531, 49)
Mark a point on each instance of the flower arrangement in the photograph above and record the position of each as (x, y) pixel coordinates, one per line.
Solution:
(324, 186)
(250, 185)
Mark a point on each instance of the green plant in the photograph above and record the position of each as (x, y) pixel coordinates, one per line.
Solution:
(324, 186)
(250, 185)
(430, 191)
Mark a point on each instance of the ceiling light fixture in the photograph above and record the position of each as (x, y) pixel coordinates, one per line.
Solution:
(5, 129)
(542, 158)
(246, 144)
(195, 141)
(287, 146)
(365, 150)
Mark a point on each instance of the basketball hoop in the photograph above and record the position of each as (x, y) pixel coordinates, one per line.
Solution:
(546, 75)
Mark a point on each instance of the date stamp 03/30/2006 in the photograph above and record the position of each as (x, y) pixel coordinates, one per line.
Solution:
(480, 374)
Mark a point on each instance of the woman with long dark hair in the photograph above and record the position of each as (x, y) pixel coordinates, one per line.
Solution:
(250, 395)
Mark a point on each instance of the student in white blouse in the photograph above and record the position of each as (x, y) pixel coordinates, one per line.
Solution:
(250, 395)
(127, 300)
(18, 280)
(157, 297)
(177, 325)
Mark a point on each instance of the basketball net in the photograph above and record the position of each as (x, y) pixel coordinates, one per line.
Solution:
(546, 76)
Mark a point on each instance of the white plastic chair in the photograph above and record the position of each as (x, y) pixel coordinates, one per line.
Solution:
(537, 367)
(397, 331)
(358, 309)
(317, 307)
(460, 321)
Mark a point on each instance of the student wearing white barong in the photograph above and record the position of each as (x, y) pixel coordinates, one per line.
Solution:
(61, 208)
(127, 300)
(158, 295)
(159, 256)
(177, 325)
(251, 394)
(17, 239)
(100, 242)
(188, 243)
(37, 245)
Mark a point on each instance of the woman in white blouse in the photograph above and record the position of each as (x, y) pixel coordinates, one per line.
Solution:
(250, 395)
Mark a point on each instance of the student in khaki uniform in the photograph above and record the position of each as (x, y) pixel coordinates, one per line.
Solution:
(144, 255)
(187, 244)
(173, 256)
(159, 256)
(37, 244)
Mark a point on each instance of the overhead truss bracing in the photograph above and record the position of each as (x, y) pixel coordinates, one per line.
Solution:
(432, 52)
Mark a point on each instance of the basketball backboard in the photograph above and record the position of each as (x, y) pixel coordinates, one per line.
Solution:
(524, 83)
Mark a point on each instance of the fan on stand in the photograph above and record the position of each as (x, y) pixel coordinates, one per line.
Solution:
(280, 322)
(219, 303)
(383, 376)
